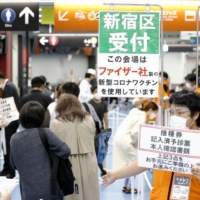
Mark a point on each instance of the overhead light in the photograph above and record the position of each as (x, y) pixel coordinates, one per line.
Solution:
(68, 35)
(94, 40)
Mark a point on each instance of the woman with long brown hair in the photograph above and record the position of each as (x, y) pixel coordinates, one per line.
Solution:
(77, 129)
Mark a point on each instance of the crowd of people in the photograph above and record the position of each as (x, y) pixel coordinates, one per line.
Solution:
(70, 132)
(71, 119)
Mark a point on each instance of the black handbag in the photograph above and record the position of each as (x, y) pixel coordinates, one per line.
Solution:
(61, 170)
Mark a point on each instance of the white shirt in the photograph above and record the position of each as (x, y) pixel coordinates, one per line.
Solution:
(52, 107)
(85, 91)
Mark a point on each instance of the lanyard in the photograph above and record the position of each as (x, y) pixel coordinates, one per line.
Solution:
(170, 186)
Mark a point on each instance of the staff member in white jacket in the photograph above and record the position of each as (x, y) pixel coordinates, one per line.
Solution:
(126, 137)
(85, 86)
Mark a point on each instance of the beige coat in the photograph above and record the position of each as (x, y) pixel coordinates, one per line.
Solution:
(80, 138)
(126, 139)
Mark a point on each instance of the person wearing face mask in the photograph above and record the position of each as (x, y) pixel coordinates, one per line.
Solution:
(191, 83)
(185, 114)
(126, 137)
(100, 107)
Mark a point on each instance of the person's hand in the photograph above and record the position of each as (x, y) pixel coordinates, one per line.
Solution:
(5, 195)
(196, 172)
(4, 124)
(108, 178)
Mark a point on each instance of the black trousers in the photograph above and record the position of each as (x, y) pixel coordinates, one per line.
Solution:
(9, 131)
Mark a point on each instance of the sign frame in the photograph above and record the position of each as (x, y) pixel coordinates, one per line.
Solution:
(19, 17)
(119, 25)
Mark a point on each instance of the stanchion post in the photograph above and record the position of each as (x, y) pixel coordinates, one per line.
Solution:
(197, 47)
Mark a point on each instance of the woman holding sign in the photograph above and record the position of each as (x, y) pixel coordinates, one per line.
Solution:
(185, 114)
(126, 138)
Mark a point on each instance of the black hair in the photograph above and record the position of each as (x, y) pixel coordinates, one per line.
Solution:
(70, 88)
(93, 88)
(172, 91)
(150, 105)
(32, 115)
(87, 75)
(2, 75)
(37, 82)
(189, 99)
(47, 84)
(165, 75)
(44, 79)
(190, 78)
(194, 70)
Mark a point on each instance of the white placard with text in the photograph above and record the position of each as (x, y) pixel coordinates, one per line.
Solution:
(168, 149)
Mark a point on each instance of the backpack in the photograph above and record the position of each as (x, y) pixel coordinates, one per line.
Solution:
(61, 170)
(101, 145)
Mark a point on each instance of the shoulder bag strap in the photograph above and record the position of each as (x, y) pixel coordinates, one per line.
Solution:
(54, 161)
(43, 139)
(86, 107)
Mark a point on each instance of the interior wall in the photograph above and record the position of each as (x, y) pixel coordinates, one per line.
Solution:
(15, 59)
(190, 64)
(174, 65)
(59, 68)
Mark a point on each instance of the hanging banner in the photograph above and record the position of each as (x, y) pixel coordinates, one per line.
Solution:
(85, 17)
(168, 149)
(128, 55)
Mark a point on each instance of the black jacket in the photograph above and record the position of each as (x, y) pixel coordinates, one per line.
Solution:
(11, 91)
(36, 95)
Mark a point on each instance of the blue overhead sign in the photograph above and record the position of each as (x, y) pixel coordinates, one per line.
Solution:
(8, 15)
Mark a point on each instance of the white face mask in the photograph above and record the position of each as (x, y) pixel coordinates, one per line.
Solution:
(160, 79)
(179, 122)
(152, 115)
(190, 88)
(97, 97)
(50, 87)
